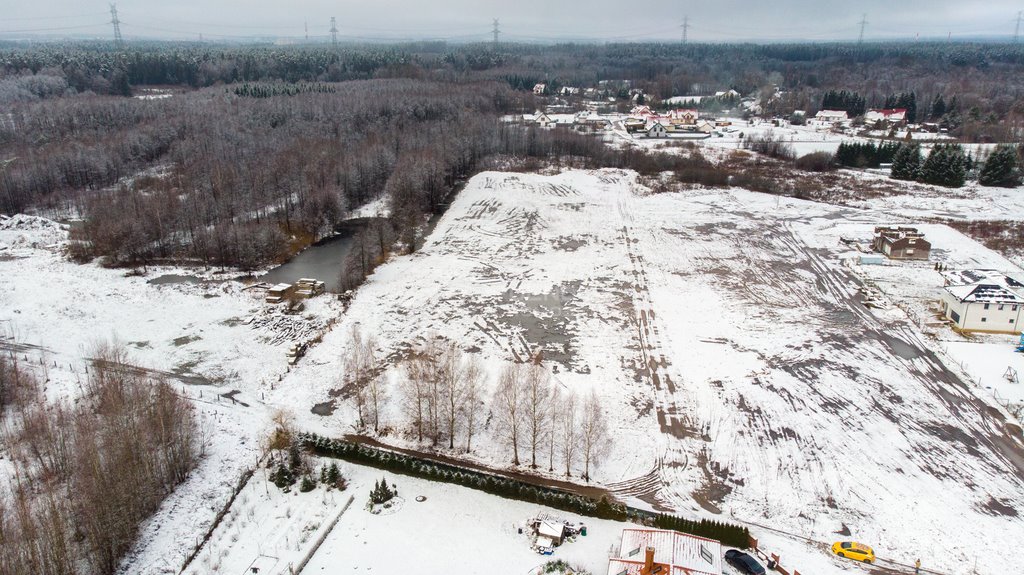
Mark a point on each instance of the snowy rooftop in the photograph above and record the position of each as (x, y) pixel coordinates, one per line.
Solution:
(984, 293)
(551, 529)
(991, 277)
(682, 553)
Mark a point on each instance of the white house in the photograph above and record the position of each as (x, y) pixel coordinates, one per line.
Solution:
(656, 130)
(538, 89)
(984, 301)
(644, 550)
(832, 116)
(896, 116)
(683, 117)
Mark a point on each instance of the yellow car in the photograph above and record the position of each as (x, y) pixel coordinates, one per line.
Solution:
(854, 550)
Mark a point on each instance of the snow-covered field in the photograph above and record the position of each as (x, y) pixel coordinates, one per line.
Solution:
(740, 369)
(740, 372)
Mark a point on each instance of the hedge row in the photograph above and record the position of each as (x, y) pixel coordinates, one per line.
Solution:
(728, 534)
(603, 508)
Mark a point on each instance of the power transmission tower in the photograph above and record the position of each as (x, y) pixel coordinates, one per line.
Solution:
(495, 31)
(1016, 31)
(118, 41)
(685, 27)
(334, 32)
(863, 23)
(306, 24)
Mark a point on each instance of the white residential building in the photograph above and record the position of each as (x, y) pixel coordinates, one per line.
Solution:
(984, 301)
(644, 550)
(831, 116)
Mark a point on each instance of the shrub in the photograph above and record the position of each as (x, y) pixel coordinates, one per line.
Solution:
(816, 162)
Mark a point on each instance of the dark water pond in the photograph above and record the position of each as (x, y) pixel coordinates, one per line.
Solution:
(320, 261)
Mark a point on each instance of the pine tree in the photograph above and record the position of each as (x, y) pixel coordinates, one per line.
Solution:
(946, 166)
(906, 162)
(1001, 168)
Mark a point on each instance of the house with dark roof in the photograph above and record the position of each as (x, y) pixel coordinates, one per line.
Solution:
(901, 243)
(983, 301)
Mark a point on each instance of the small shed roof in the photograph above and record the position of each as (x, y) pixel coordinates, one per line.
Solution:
(551, 529)
(280, 287)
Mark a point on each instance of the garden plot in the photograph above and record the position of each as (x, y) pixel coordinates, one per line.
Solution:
(742, 373)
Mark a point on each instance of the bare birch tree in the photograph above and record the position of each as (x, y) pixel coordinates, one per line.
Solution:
(568, 433)
(414, 394)
(538, 393)
(474, 387)
(359, 362)
(554, 405)
(452, 376)
(376, 395)
(593, 432)
(508, 406)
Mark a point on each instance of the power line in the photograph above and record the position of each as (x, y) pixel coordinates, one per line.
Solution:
(863, 23)
(685, 27)
(117, 26)
(495, 31)
(1016, 31)
(334, 32)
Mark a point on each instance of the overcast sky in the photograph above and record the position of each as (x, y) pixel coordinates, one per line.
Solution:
(519, 20)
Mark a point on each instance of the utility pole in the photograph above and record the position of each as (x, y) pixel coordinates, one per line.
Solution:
(117, 26)
(863, 23)
(495, 31)
(1016, 31)
(685, 27)
(334, 32)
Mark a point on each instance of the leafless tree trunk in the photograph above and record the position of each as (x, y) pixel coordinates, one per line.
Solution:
(451, 373)
(554, 405)
(377, 397)
(359, 363)
(593, 432)
(509, 406)
(568, 433)
(538, 392)
(474, 377)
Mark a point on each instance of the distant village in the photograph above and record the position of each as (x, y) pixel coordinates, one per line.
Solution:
(633, 113)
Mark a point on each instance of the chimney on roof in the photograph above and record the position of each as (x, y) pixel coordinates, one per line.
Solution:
(648, 562)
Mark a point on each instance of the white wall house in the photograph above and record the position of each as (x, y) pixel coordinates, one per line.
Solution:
(831, 116)
(992, 304)
(657, 130)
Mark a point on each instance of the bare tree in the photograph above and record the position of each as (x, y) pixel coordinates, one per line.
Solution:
(474, 387)
(451, 372)
(359, 362)
(568, 433)
(414, 394)
(593, 432)
(554, 405)
(376, 394)
(538, 393)
(509, 406)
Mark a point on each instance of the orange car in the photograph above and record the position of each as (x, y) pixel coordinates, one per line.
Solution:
(854, 550)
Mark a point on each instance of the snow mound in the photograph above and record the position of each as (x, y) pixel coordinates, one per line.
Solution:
(24, 231)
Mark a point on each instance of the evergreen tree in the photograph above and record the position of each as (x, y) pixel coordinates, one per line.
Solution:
(946, 166)
(906, 162)
(1001, 168)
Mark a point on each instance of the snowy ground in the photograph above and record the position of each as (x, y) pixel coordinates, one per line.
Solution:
(740, 369)
(740, 372)
(454, 530)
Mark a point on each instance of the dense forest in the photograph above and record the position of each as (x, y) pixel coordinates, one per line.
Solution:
(249, 153)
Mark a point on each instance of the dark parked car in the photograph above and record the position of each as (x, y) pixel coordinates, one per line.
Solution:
(745, 563)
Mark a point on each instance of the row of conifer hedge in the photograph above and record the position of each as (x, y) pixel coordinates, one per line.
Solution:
(604, 508)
